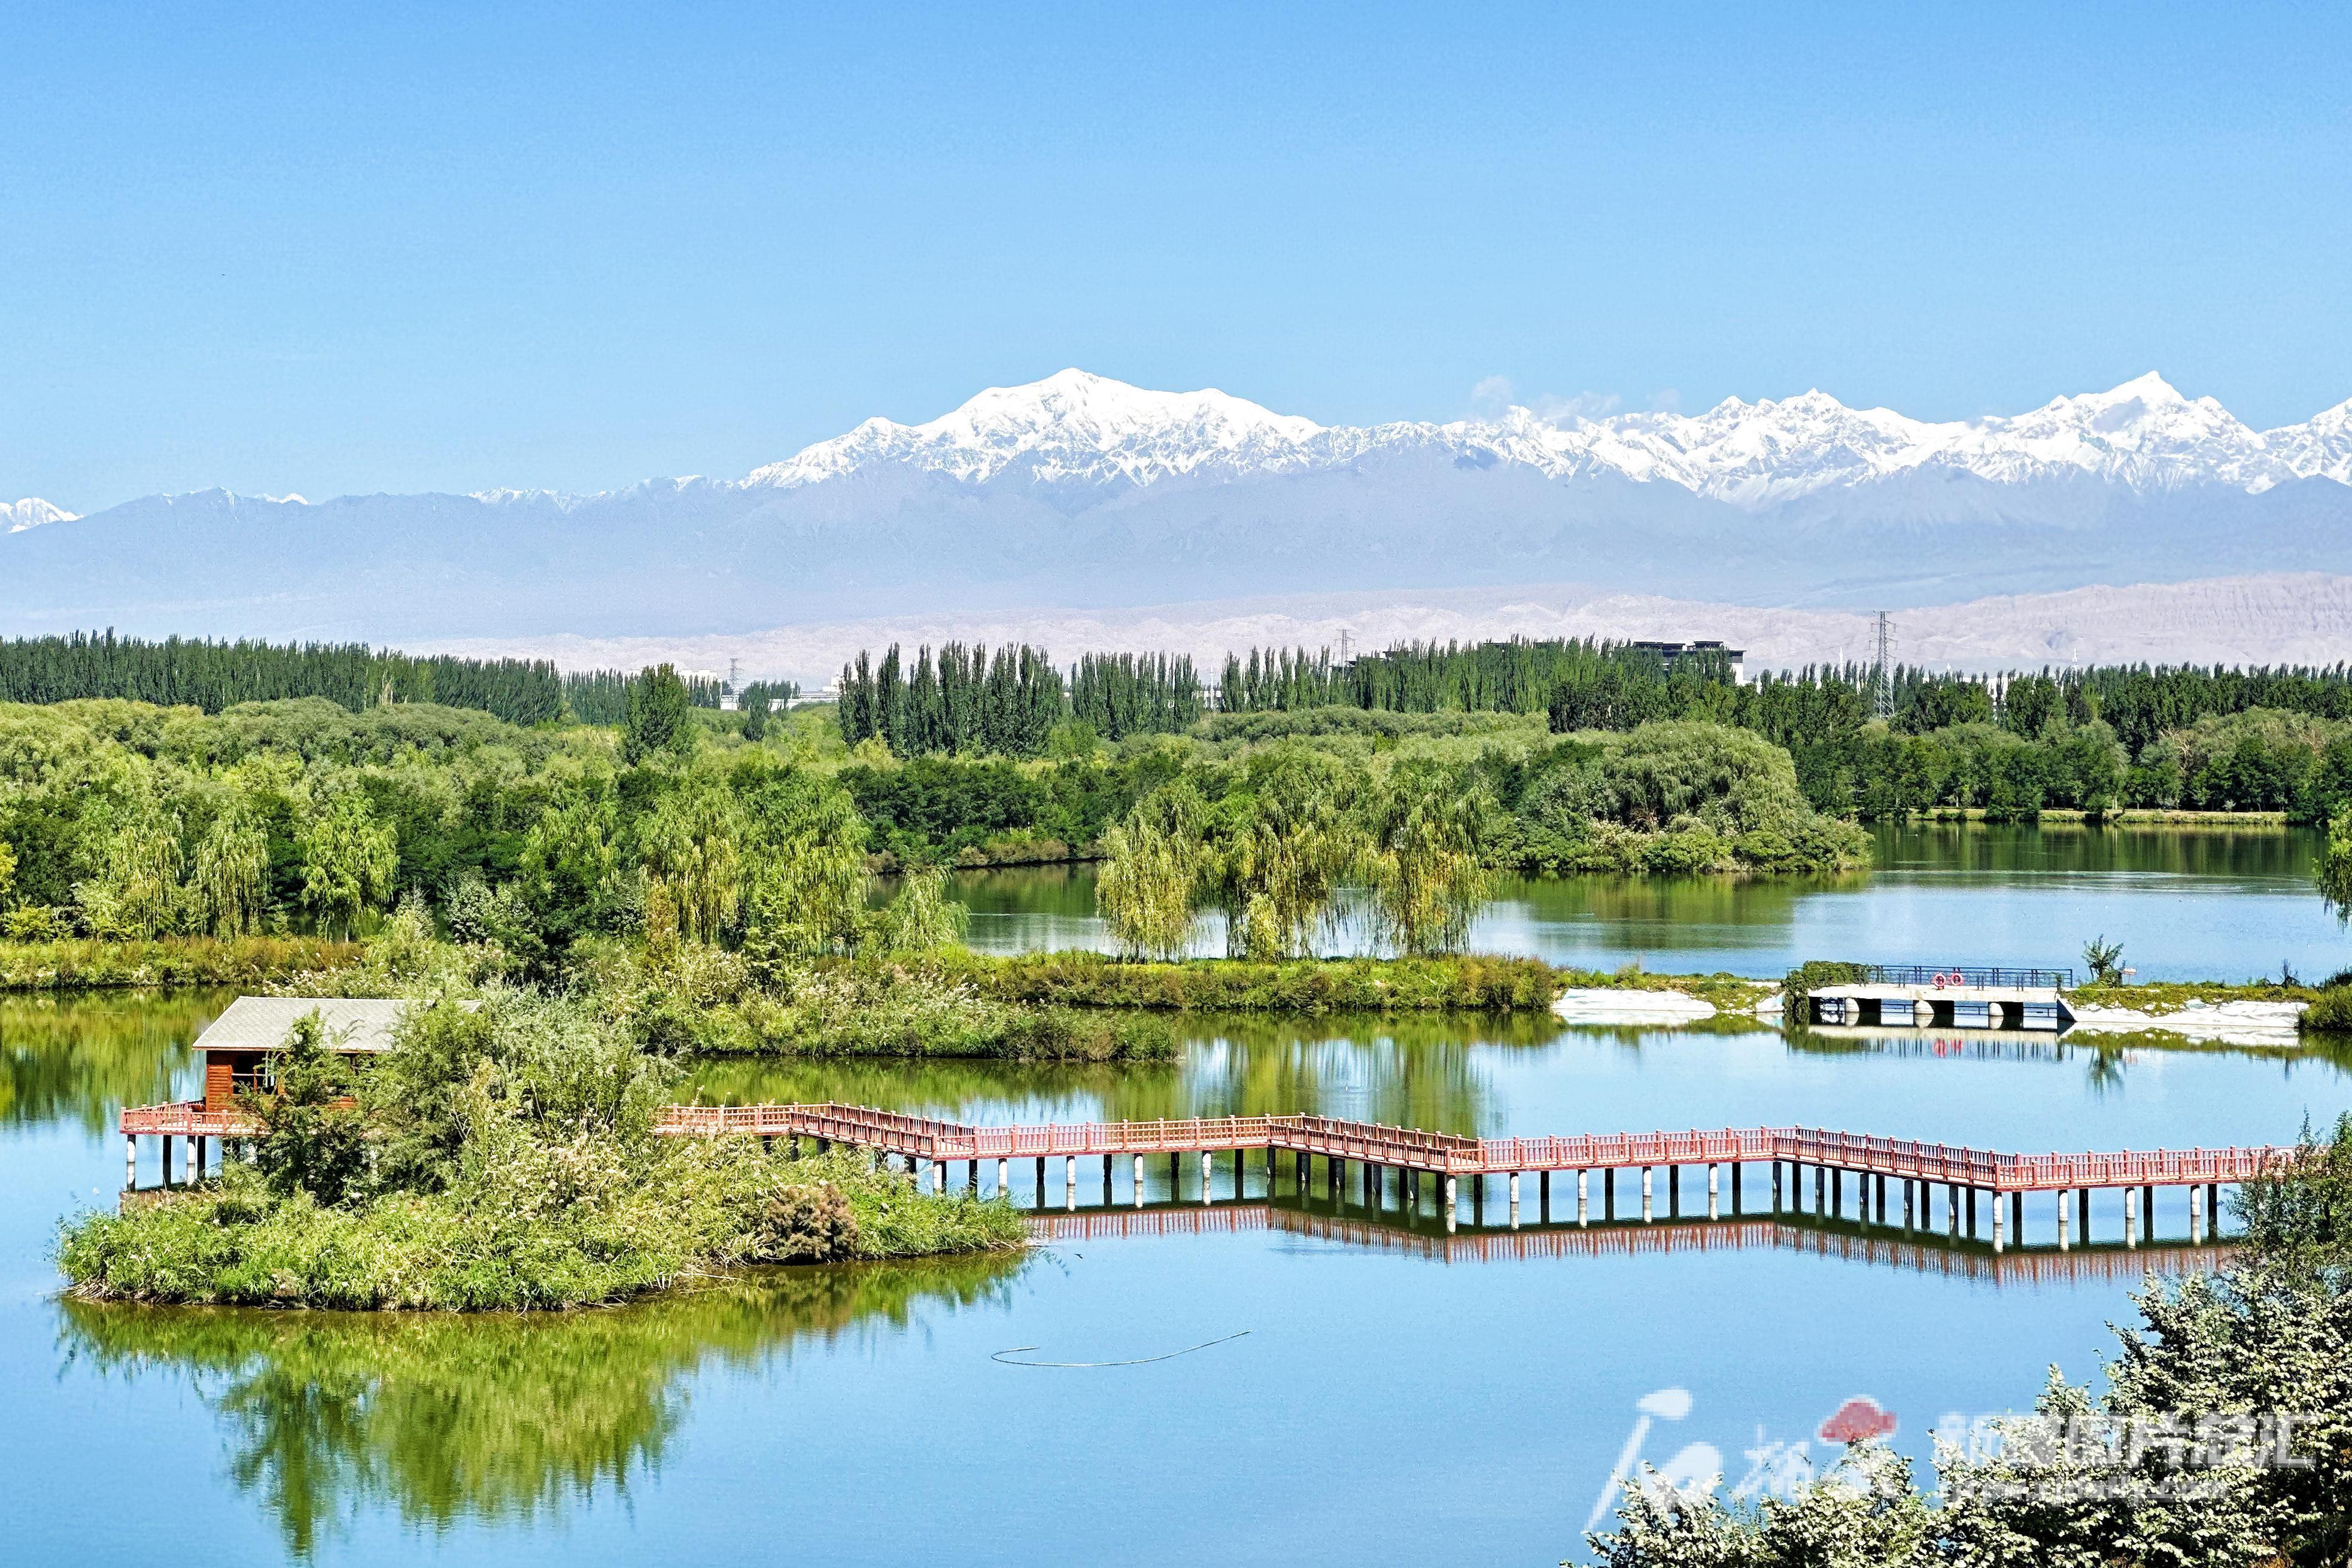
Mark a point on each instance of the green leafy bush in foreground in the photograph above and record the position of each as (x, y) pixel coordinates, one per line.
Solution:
(514, 1165)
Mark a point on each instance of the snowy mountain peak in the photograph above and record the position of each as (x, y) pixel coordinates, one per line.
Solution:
(1072, 425)
(30, 513)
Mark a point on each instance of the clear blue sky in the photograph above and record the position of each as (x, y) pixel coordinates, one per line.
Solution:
(336, 248)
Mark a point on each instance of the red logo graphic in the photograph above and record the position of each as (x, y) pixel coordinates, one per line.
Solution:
(1857, 1420)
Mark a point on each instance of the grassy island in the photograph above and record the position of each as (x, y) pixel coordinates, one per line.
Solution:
(499, 1158)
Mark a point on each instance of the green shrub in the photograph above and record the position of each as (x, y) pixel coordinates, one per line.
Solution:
(2329, 1013)
(1801, 981)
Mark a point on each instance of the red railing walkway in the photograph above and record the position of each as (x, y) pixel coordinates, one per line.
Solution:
(1452, 1154)
(1374, 1148)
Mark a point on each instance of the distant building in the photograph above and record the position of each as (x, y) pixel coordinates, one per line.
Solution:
(1668, 652)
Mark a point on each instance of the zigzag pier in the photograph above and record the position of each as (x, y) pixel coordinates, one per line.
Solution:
(1364, 1162)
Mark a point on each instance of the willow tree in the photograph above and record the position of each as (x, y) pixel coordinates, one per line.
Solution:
(920, 919)
(1428, 874)
(805, 859)
(691, 844)
(347, 860)
(1155, 872)
(136, 892)
(570, 864)
(2334, 871)
(1288, 837)
(229, 885)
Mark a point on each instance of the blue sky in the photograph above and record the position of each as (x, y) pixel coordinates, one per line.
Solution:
(335, 249)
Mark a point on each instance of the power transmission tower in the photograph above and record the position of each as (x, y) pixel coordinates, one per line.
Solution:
(1882, 680)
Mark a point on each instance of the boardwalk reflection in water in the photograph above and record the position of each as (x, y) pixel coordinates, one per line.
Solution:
(1850, 1244)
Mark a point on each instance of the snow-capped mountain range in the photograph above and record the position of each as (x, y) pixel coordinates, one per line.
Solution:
(1078, 491)
(1076, 428)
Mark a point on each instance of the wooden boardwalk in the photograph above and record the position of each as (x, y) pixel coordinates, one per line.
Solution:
(1452, 1154)
(1373, 1150)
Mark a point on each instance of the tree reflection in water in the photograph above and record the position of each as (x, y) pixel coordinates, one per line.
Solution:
(81, 1059)
(1409, 1072)
(453, 1418)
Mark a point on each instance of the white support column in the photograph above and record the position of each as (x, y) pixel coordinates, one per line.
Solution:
(1004, 1178)
(130, 1160)
(2131, 1217)
(1584, 1197)
(1645, 1194)
(1452, 1199)
(1139, 1181)
(2063, 1242)
(2196, 1213)
(1070, 1180)
(1996, 1206)
(1207, 1197)
(1713, 1188)
(939, 1177)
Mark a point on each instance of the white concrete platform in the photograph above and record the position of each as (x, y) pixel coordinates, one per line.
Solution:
(1604, 1005)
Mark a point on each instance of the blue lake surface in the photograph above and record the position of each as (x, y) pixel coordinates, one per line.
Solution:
(1395, 1396)
(2187, 903)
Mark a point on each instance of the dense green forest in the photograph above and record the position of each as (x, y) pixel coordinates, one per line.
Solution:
(126, 820)
(2096, 740)
(198, 673)
(216, 675)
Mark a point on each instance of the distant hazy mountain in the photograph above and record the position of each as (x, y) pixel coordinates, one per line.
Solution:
(2300, 618)
(1077, 491)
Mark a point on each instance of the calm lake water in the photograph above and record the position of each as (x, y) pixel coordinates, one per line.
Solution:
(2222, 905)
(1394, 1395)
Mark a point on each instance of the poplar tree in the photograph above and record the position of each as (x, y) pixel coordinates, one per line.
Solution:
(660, 716)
